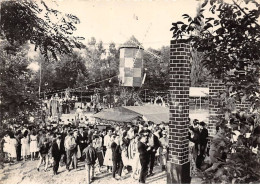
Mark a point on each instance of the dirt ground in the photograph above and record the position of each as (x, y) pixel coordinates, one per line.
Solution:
(26, 173)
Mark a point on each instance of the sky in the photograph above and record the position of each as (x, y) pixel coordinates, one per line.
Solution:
(116, 21)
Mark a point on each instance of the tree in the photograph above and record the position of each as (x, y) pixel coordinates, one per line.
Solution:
(48, 73)
(199, 74)
(230, 41)
(95, 62)
(18, 90)
(48, 29)
(154, 79)
(113, 60)
(68, 71)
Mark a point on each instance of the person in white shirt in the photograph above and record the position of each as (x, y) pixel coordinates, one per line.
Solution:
(78, 112)
(108, 154)
(71, 150)
(82, 122)
(107, 138)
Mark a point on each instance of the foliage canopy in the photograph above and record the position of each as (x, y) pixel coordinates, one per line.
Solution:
(48, 29)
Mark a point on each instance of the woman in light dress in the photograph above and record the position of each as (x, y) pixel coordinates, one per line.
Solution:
(13, 143)
(25, 141)
(10, 146)
(33, 145)
(136, 165)
(124, 144)
(6, 149)
(124, 154)
(108, 157)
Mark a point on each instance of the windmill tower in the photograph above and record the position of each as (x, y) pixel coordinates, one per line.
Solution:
(131, 66)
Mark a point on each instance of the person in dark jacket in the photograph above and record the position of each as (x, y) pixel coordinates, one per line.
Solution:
(154, 144)
(203, 135)
(116, 158)
(82, 140)
(91, 157)
(56, 152)
(18, 137)
(144, 157)
(44, 150)
(196, 139)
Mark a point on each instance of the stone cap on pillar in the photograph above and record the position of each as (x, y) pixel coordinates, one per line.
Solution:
(180, 41)
(181, 45)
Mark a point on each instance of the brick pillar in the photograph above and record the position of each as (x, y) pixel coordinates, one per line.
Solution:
(178, 166)
(215, 88)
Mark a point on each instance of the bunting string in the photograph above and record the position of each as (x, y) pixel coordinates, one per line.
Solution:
(74, 89)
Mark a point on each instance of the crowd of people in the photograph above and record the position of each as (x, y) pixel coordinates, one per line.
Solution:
(240, 134)
(198, 144)
(117, 148)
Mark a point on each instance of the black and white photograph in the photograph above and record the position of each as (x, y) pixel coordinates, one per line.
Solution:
(130, 92)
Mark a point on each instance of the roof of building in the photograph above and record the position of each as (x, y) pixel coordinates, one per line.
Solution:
(199, 92)
(154, 113)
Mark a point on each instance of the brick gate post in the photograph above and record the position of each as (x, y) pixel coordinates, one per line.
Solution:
(178, 166)
(215, 88)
